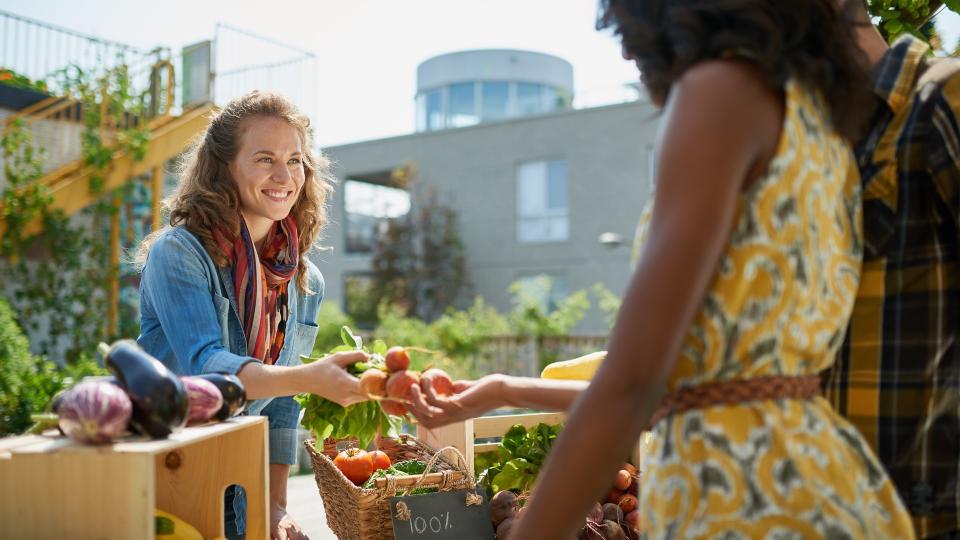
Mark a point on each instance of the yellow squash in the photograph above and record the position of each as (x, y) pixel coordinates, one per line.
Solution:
(578, 369)
(170, 527)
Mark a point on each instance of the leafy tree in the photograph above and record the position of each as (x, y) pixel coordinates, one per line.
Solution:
(418, 260)
(895, 17)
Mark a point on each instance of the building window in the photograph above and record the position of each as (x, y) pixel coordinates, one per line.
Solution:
(542, 209)
(543, 289)
(434, 119)
(463, 105)
(368, 206)
(529, 99)
(494, 99)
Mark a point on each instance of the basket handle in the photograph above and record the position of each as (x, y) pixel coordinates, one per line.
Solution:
(461, 461)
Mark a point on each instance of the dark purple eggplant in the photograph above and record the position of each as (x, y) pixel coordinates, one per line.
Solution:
(160, 403)
(234, 395)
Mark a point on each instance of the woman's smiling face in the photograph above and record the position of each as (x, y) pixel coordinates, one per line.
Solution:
(268, 170)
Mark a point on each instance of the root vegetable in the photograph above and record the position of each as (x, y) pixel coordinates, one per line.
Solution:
(503, 505)
(441, 382)
(612, 531)
(633, 520)
(622, 481)
(503, 530)
(628, 503)
(612, 512)
(630, 469)
(397, 359)
(393, 408)
(373, 382)
(399, 383)
(614, 495)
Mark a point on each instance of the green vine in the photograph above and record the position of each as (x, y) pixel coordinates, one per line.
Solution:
(60, 277)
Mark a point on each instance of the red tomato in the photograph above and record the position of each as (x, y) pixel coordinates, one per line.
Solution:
(355, 464)
(380, 460)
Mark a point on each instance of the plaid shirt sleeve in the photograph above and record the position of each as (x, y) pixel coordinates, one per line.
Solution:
(898, 373)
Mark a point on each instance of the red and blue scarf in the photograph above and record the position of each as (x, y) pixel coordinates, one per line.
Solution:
(260, 283)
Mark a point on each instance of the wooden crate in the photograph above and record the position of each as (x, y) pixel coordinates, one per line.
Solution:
(51, 487)
(463, 435)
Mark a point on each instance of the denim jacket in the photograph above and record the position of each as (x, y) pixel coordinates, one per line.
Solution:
(189, 321)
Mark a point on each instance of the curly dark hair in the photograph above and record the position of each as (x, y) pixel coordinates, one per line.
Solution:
(809, 40)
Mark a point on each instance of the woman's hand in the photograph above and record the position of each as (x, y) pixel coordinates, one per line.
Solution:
(330, 379)
(470, 399)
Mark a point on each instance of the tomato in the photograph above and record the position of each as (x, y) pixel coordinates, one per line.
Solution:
(355, 464)
(380, 460)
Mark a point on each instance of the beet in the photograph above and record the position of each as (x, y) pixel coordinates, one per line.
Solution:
(503, 530)
(612, 531)
(612, 512)
(94, 412)
(503, 505)
(204, 397)
(439, 379)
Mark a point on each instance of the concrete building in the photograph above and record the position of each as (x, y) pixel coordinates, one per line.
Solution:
(535, 182)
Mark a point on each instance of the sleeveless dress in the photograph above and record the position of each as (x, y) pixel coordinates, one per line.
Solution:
(778, 305)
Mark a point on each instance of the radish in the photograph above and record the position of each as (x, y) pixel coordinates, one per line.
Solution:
(94, 412)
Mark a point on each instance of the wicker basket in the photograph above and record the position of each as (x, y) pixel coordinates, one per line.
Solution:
(354, 513)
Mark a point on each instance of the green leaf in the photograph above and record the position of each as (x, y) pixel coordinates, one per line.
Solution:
(347, 336)
(380, 346)
(517, 474)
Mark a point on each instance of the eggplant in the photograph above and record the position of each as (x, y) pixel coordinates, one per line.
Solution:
(205, 399)
(234, 395)
(94, 412)
(160, 403)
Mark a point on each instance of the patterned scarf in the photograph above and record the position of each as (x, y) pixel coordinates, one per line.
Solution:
(260, 283)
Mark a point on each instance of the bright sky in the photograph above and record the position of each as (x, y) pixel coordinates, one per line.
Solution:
(368, 50)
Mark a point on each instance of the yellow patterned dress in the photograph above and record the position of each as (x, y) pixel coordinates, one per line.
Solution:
(778, 305)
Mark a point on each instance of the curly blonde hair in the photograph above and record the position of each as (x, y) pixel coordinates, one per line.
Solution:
(207, 198)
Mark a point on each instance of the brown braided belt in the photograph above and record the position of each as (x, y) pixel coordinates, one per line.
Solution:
(737, 391)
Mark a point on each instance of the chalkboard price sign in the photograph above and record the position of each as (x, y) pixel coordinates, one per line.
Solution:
(453, 515)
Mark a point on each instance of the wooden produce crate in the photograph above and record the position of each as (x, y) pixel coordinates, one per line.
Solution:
(463, 435)
(51, 487)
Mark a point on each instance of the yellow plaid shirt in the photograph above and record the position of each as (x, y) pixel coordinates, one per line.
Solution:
(898, 374)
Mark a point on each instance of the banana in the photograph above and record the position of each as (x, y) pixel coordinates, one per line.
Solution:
(170, 527)
(578, 369)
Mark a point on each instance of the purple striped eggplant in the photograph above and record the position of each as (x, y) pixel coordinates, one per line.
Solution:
(205, 399)
(94, 412)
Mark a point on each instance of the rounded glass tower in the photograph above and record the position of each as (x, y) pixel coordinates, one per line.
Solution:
(469, 87)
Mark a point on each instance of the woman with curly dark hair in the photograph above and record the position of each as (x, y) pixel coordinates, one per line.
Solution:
(747, 266)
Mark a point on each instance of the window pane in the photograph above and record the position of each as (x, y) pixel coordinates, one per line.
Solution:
(531, 189)
(542, 213)
(367, 207)
(462, 110)
(435, 110)
(421, 112)
(557, 185)
(550, 99)
(528, 99)
(494, 100)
